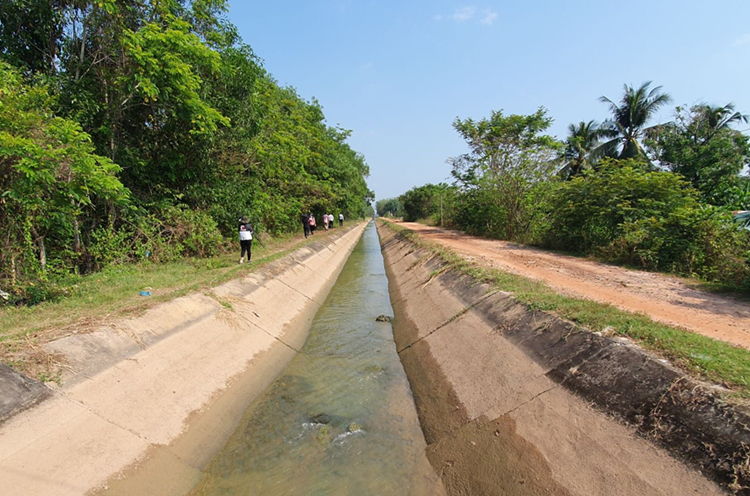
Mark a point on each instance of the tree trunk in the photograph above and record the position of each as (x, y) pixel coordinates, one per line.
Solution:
(42, 251)
(76, 236)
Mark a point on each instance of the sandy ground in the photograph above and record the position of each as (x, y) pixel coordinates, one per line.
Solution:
(664, 298)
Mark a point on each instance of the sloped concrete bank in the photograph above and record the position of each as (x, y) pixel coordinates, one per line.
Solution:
(149, 400)
(515, 401)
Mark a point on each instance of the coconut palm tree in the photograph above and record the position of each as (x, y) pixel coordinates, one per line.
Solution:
(717, 118)
(581, 145)
(629, 118)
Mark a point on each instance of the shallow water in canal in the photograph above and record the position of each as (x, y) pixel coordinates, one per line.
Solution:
(340, 419)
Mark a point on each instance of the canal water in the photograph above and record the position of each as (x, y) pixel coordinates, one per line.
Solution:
(340, 419)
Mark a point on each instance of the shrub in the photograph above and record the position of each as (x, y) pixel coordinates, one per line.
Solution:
(628, 214)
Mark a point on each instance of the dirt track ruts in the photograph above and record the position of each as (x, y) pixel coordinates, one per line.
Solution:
(664, 298)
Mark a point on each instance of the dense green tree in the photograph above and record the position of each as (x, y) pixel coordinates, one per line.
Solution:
(429, 202)
(508, 157)
(390, 207)
(626, 213)
(31, 33)
(49, 178)
(194, 131)
(702, 146)
(627, 126)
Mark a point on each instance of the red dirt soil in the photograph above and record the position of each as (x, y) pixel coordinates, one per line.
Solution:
(664, 298)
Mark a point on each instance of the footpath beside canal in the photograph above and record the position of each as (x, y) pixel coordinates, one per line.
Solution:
(148, 401)
(518, 402)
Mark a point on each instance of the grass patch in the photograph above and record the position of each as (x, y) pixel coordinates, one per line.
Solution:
(698, 355)
(99, 298)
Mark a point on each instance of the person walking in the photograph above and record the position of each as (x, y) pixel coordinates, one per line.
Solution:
(331, 221)
(306, 224)
(246, 238)
(311, 223)
(325, 221)
(341, 220)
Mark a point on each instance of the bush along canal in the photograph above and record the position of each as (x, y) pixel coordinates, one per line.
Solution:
(340, 419)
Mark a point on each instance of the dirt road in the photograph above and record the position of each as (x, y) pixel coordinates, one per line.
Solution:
(664, 298)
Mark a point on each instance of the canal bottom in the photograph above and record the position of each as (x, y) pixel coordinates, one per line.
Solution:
(340, 419)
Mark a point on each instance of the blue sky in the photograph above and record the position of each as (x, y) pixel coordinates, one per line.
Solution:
(399, 73)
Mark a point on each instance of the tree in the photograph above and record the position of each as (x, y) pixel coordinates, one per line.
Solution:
(717, 118)
(702, 146)
(161, 103)
(425, 202)
(629, 118)
(580, 148)
(508, 157)
(30, 33)
(390, 207)
(49, 175)
(626, 213)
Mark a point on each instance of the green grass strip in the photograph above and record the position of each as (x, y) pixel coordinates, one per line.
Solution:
(696, 354)
(115, 291)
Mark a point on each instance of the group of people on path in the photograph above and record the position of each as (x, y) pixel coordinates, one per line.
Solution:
(308, 223)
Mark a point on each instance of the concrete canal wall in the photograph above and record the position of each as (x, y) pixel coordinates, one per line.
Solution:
(148, 401)
(516, 401)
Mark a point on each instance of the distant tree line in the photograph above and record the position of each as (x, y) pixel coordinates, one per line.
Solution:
(659, 197)
(133, 130)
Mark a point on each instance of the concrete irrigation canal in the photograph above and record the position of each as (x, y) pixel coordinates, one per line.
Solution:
(340, 419)
(285, 383)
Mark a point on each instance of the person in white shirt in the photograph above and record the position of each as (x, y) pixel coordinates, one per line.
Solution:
(246, 238)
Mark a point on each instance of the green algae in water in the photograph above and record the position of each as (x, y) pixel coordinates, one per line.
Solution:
(340, 419)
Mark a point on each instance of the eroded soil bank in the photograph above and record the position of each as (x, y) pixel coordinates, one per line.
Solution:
(514, 401)
(148, 401)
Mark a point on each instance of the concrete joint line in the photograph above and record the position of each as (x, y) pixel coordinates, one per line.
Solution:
(313, 270)
(96, 414)
(452, 319)
(118, 426)
(298, 291)
(556, 386)
(267, 332)
(403, 257)
(442, 270)
(592, 357)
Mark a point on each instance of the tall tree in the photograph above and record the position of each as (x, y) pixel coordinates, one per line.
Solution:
(701, 145)
(629, 118)
(49, 176)
(580, 148)
(716, 119)
(30, 33)
(508, 157)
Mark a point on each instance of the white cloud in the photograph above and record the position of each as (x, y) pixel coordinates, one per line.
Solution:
(463, 14)
(468, 13)
(488, 17)
(742, 40)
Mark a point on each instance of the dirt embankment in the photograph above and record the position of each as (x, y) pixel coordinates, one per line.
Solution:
(664, 298)
(148, 401)
(518, 402)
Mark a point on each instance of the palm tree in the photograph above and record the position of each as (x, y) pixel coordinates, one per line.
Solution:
(627, 126)
(581, 147)
(717, 118)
